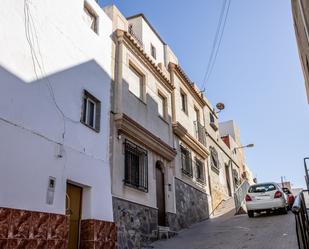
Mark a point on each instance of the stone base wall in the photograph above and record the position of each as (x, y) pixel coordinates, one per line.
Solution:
(191, 206)
(98, 234)
(27, 229)
(137, 225)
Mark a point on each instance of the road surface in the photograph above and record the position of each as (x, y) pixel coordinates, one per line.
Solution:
(272, 231)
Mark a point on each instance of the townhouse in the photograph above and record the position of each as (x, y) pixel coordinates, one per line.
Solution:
(170, 167)
(55, 73)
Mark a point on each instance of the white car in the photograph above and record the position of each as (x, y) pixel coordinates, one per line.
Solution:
(265, 197)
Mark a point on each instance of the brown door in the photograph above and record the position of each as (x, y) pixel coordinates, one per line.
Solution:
(228, 182)
(73, 207)
(160, 195)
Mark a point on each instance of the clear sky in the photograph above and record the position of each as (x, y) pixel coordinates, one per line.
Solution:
(257, 73)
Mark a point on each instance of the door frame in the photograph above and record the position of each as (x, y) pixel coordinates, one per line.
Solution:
(160, 166)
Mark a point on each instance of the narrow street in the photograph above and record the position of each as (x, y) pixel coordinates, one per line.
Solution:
(272, 231)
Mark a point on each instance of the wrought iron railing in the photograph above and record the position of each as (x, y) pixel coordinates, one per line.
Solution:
(200, 132)
(302, 221)
(131, 32)
(239, 196)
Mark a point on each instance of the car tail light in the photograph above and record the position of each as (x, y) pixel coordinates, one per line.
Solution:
(248, 198)
(278, 194)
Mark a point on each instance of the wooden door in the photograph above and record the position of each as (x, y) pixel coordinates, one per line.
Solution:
(73, 207)
(160, 195)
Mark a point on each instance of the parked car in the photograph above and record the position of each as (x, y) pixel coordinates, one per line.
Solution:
(265, 197)
(291, 197)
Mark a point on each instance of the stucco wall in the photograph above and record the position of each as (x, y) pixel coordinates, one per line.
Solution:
(48, 74)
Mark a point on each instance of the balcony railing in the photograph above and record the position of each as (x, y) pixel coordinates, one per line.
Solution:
(200, 132)
(131, 32)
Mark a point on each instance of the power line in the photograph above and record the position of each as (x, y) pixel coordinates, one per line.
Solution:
(216, 44)
(215, 40)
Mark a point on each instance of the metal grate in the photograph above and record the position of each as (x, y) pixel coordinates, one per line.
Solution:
(200, 132)
(186, 161)
(136, 166)
(199, 171)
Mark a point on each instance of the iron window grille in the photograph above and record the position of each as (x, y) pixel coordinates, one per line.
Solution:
(136, 166)
(199, 171)
(186, 161)
(91, 112)
(214, 160)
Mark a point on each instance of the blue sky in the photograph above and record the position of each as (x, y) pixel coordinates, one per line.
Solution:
(257, 73)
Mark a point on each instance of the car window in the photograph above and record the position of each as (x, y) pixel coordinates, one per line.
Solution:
(261, 188)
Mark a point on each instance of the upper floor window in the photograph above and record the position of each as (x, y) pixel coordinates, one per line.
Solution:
(136, 82)
(214, 160)
(196, 115)
(199, 171)
(136, 166)
(162, 105)
(212, 118)
(184, 106)
(91, 114)
(153, 51)
(186, 161)
(90, 17)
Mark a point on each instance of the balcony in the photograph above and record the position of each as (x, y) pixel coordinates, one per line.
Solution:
(138, 40)
(200, 132)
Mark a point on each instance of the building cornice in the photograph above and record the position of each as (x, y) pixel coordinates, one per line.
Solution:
(139, 52)
(188, 83)
(135, 131)
(194, 144)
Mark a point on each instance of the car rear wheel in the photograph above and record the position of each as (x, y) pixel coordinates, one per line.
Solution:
(250, 213)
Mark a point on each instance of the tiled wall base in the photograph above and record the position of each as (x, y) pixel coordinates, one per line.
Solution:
(97, 234)
(36, 230)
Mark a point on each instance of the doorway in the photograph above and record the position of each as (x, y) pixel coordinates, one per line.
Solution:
(73, 209)
(228, 180)
(160, 194)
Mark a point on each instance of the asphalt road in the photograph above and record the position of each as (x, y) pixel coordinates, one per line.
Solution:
(272, 231)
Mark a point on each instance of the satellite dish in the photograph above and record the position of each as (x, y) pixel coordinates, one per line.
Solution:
(220, 106)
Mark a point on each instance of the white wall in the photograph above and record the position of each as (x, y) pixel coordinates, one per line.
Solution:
(68, 57)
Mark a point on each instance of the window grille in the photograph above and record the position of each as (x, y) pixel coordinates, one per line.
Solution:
(136, 166)
(186, 161)
(199, 171)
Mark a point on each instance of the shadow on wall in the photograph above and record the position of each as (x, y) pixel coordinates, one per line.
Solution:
(54, 96)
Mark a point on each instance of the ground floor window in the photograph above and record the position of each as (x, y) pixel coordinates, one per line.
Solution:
(136, 166)
(186, 161)
(199, 171)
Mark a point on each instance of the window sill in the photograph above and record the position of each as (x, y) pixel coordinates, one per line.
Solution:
(90, 127)
(163, 119)
(135, 187)
(138, 98)
(216, 170)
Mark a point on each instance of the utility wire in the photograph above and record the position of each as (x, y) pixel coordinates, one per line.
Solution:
(216, 45)
(215, 40)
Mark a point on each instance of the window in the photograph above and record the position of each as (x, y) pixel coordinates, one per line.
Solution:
(136, 166)
(136, 81)
(90, 18)
(183, 101)
(162, 105)
(196, 115)
(212, 118)
(214, 160)
(153, 51)
(199, 171)
(186, 161)
(91, 114)
(261, 188)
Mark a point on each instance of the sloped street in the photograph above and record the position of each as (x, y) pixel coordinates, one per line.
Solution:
(273, 231)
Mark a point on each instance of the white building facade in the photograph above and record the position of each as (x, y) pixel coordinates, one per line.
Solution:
(55, 72)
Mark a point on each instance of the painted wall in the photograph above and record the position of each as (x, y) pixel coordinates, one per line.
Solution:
(48, 57)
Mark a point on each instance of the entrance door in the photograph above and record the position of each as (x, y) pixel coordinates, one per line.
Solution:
(160, 195)
(73, 207)
(228, 181)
